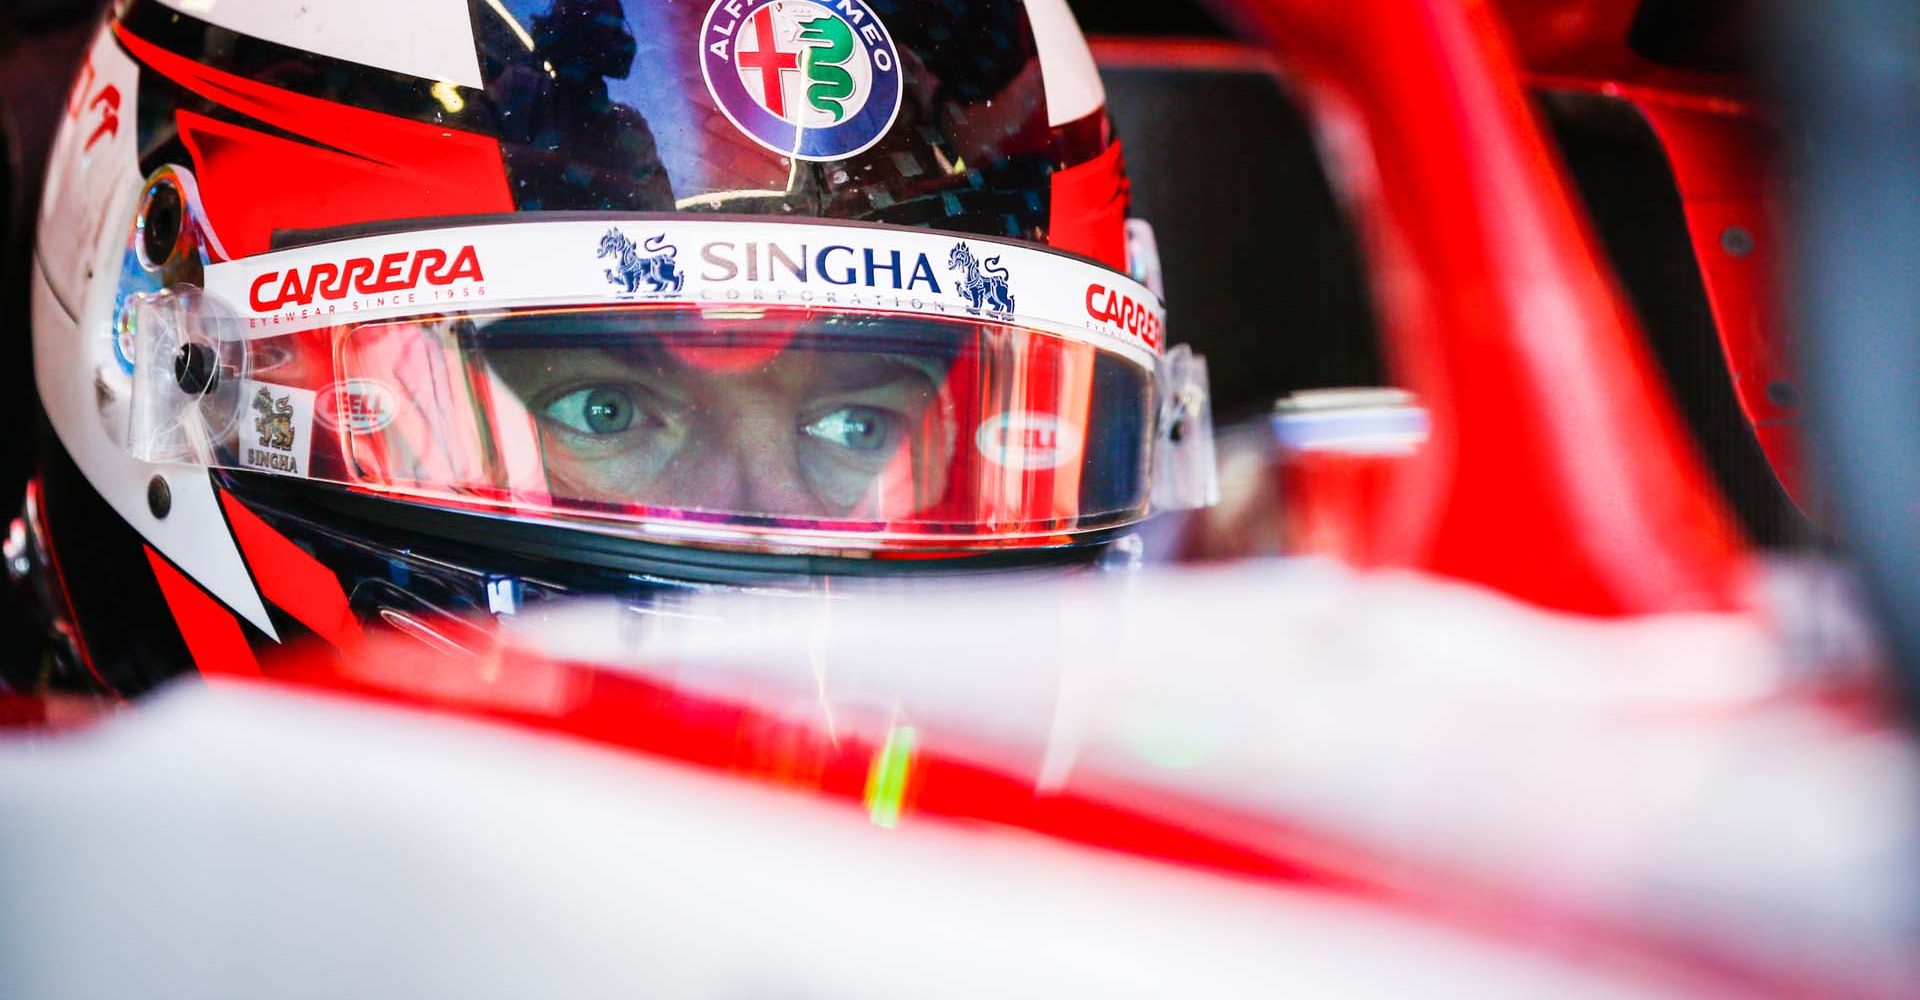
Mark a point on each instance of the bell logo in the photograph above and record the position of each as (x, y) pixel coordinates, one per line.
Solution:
(356, 405)
(1028, 441)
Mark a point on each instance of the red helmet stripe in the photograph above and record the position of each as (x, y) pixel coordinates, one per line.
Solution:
(288, 576)
(363, 166)
(1090, 209)
(212, 633)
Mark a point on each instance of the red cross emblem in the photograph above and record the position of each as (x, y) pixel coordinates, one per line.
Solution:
(768, 59)
(813, 80)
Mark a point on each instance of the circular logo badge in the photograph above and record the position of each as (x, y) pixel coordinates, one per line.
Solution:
(810, 80)
(1022, 439)
(359, 405)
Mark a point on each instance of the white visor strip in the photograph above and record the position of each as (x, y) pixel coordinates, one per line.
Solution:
(711, 263)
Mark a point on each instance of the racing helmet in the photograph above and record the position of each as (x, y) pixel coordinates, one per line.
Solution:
(403, 315)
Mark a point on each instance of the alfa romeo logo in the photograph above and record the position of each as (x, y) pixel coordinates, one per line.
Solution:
(810, 80)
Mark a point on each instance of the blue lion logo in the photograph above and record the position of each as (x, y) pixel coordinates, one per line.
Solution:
(984, 285)
(660, 271)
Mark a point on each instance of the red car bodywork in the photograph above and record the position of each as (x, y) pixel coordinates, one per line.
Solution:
(1718, 134)
(1557, 469)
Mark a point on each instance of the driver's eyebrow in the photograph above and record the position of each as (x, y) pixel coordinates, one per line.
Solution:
(533, 370)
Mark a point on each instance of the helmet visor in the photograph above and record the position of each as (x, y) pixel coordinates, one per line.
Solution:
(780, 418)
(694, 410)
(680, 418)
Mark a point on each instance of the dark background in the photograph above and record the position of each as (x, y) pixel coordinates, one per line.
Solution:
(1122, 17)
(41, 44)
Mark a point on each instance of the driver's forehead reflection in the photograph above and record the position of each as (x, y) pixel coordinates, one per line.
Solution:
(757, 425)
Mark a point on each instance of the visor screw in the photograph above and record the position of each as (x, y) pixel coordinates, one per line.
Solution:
(1736, 240)
(160, 224)
(196, 369)
(159, 497)
(1186, 409)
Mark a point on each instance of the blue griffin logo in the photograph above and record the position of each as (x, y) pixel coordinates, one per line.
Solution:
(984, 284)
(660, 272)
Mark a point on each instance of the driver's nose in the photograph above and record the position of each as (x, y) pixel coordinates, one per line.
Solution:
(746, 464)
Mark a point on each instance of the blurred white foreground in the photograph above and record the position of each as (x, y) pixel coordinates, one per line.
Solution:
(1535, 805)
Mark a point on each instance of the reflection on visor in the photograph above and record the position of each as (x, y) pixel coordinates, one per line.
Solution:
(872, 427)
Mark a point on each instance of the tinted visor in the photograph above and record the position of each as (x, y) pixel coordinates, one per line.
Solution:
(819, 386)
(682, 417)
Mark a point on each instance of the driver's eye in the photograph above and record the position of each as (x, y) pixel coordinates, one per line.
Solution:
(856, 428)
(599, 409)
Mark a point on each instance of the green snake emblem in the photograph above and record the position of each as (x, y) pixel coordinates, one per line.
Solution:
(830, 47)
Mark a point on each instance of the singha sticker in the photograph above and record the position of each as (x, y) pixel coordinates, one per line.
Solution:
(982, 283)
(658, 268)
(275, 423)
(279, 439)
